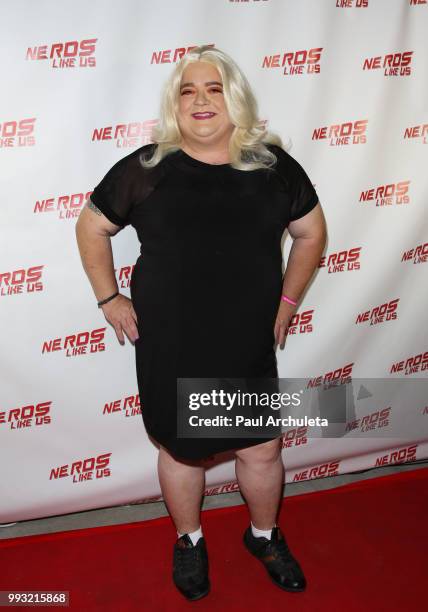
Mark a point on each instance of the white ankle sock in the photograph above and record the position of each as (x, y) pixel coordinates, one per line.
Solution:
(261, 533)
(194, 535)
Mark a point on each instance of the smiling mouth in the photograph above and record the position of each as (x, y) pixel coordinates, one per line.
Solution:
(203, 115)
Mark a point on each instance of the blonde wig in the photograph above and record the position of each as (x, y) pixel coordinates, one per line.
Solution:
(247, 148)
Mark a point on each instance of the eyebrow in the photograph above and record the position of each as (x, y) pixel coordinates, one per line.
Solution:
(207, 83)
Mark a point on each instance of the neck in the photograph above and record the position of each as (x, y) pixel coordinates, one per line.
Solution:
(209, 153)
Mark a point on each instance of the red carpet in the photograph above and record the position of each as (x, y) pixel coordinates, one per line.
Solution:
(362, 547)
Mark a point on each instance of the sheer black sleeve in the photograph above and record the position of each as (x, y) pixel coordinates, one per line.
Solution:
(303, 196)
(115, 194)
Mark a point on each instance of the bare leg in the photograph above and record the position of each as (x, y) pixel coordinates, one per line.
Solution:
(182, 484)
(260, 474)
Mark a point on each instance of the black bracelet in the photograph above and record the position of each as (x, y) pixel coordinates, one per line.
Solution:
(108, 299)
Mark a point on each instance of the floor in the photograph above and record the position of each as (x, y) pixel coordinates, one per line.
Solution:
(140, 512)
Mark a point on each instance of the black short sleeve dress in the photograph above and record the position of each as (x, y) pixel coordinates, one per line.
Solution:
(207, 284)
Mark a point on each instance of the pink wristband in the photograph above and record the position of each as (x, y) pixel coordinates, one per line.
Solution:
(287, 299)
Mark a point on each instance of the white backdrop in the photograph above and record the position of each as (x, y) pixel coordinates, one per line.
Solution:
(345, 85)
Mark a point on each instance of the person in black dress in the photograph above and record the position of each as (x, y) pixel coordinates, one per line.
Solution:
(210, 199)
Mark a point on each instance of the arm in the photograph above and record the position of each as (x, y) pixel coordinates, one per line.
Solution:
(309, 235)
(93, 234)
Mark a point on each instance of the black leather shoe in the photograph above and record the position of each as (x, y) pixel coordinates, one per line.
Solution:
(190, 567)
(275, 555)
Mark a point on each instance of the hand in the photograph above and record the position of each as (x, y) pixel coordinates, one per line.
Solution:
(120, 313)
(283, 318)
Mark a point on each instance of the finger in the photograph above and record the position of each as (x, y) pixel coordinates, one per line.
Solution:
(131, 330)
(276, 336)
(134, 314)
(119, 333)
(282, 328)
(280, 336)
(129, 327)
(131, 324)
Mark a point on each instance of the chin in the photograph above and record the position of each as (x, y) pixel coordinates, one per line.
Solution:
(203, 134)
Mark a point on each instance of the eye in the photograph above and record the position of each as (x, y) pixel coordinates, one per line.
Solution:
(216, 89)
(185, 92)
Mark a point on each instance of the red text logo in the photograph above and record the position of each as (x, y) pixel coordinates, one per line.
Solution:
(387, 195)
(343, 261)
(17, 133)
(379, 314)
(294, 437)
(27, 416)
(128, 406)
(417, 255)
(351, 132)
(411, 365)
(319, 471)
(135, 134)
(417, 131)
(333, 378)
(398, 456)
(300, 323)
(83, 469)
(23, 280)
(375, 420)
(168, 56)
(229, 487)
(352, 3)
(392, 64)
(80, 343)
(304, 61)
(124, 276)
(67, 206)
(70, 54)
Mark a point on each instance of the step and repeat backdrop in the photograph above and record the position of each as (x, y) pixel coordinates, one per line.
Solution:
(344, 83)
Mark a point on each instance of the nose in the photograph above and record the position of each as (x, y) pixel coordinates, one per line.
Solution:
(200, 98)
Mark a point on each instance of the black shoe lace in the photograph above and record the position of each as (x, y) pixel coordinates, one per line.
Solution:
(188, 559)
(281, 551)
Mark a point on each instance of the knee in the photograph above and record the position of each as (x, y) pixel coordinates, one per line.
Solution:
(173, 461)
(267, 452)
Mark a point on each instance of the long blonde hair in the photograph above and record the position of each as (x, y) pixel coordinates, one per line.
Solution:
(247, 148)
